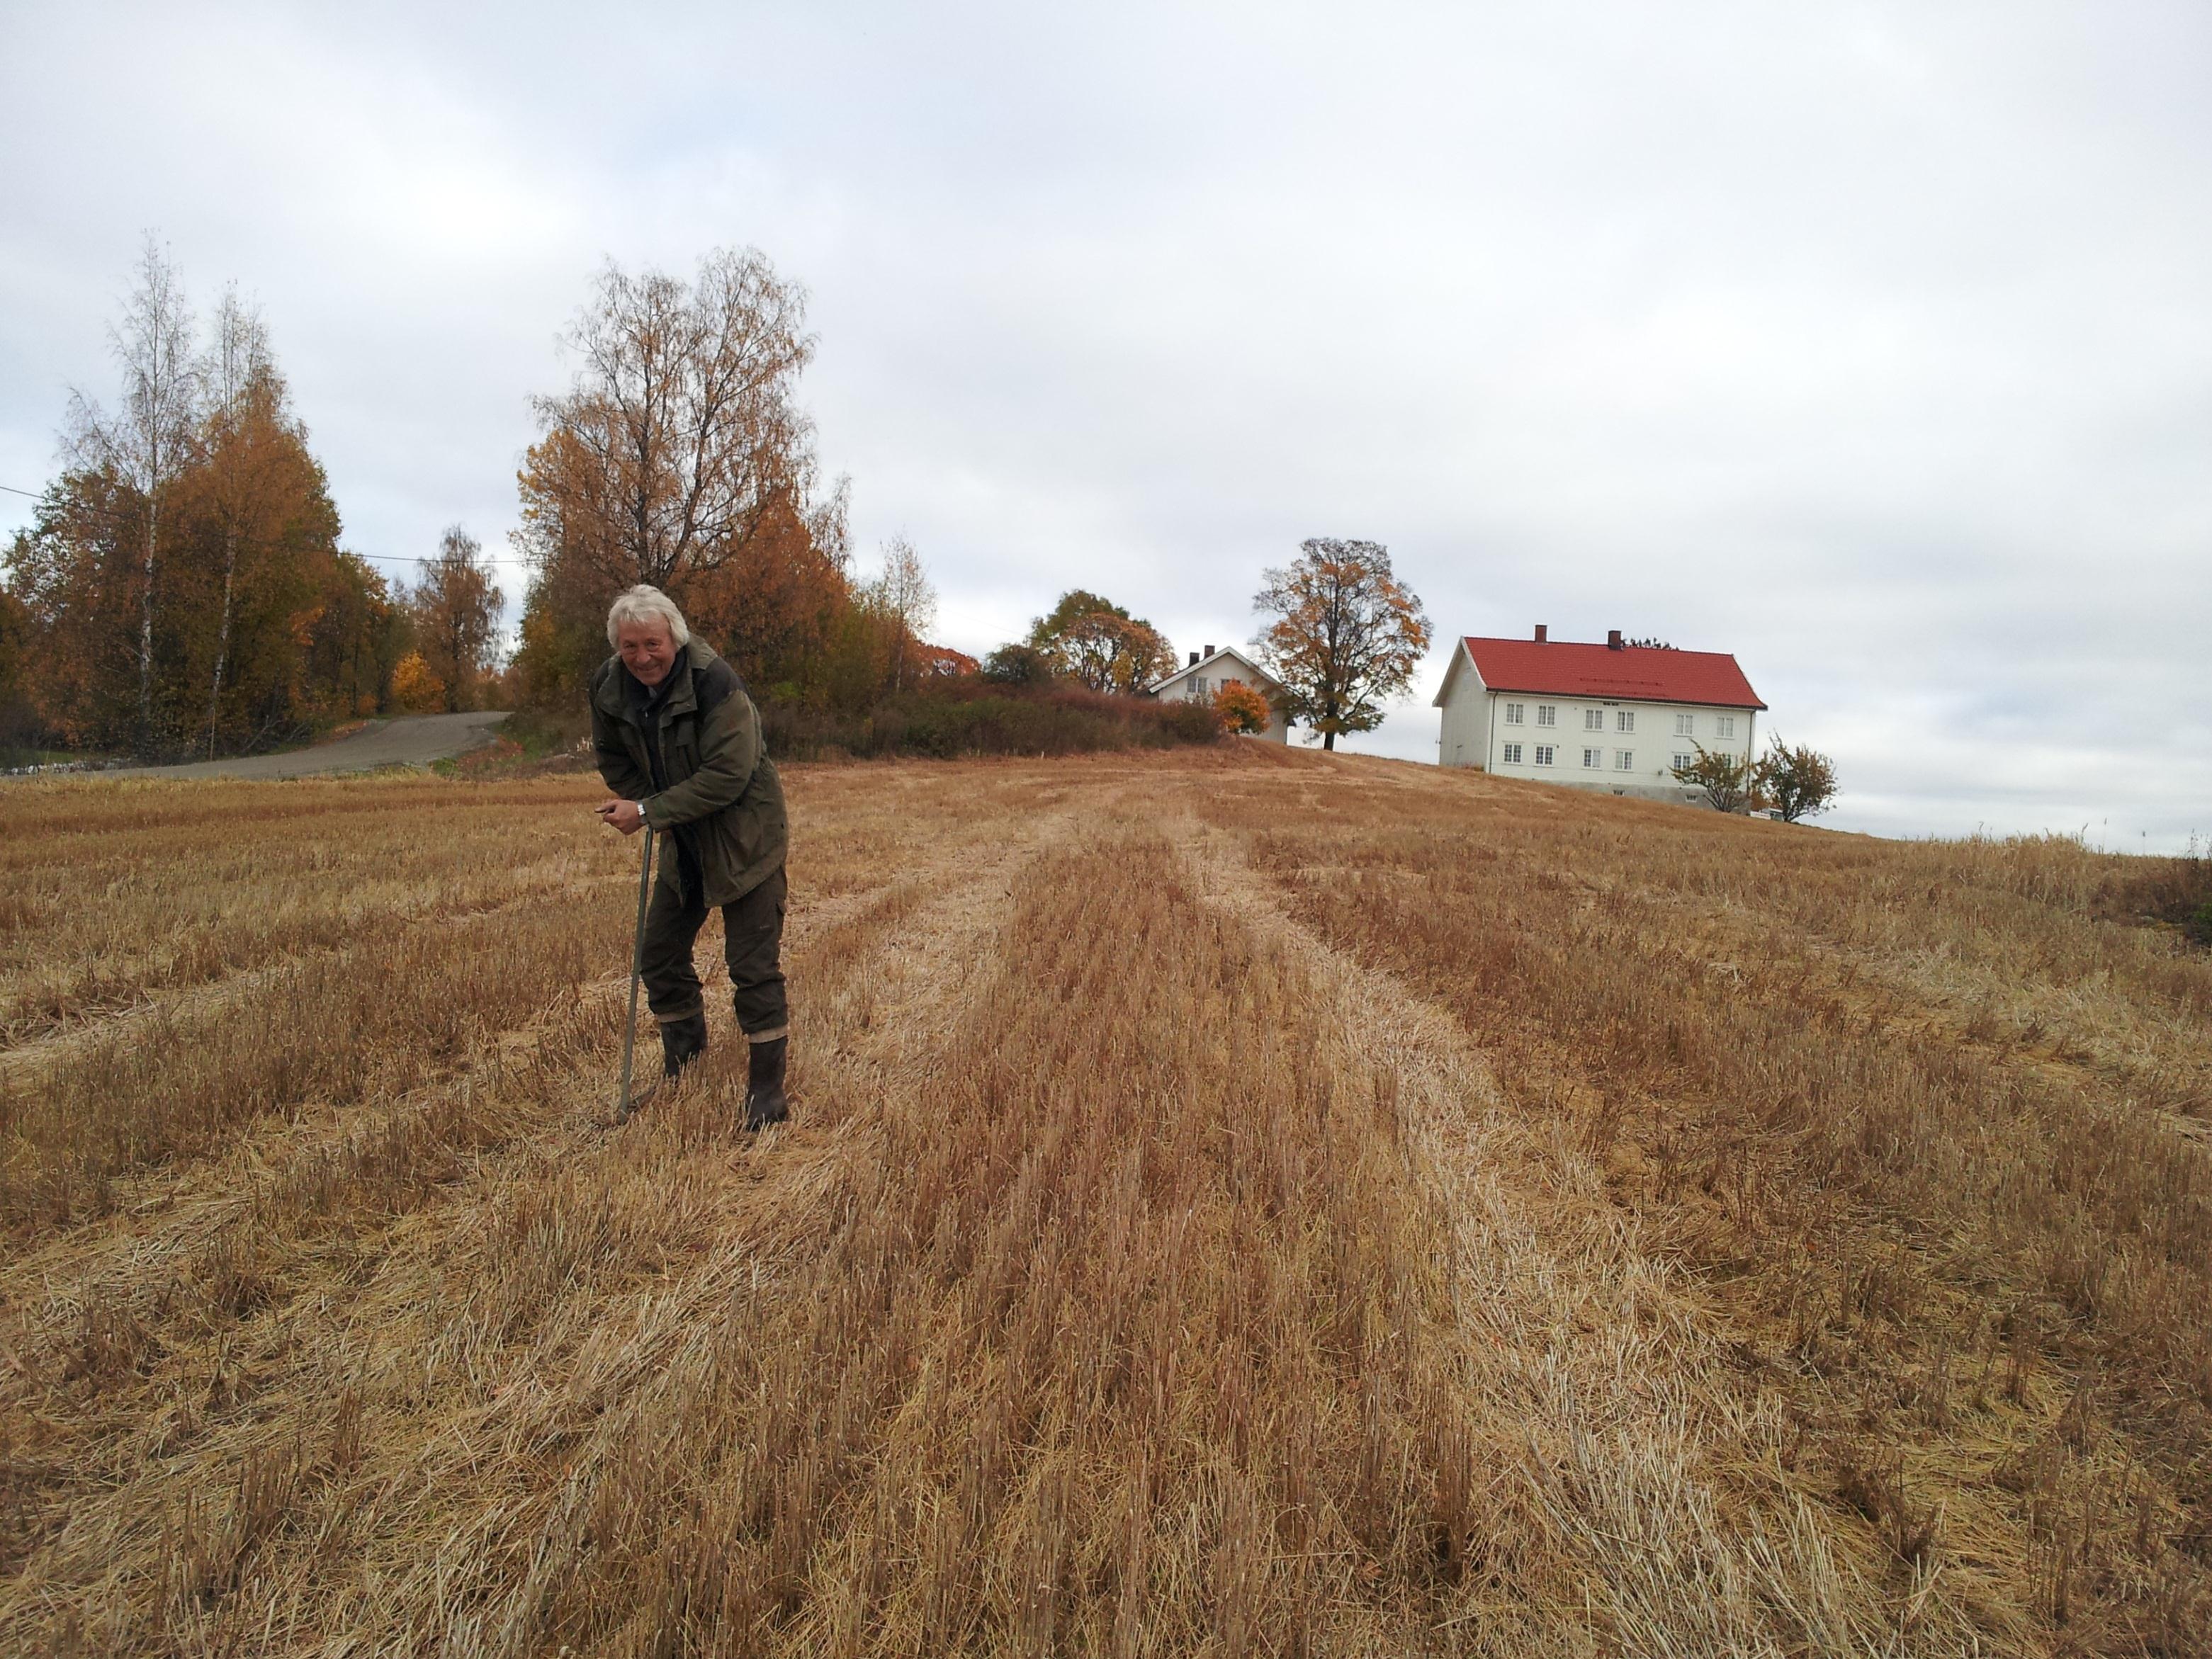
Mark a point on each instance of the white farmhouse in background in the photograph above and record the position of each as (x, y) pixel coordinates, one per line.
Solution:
(1616, 717)
(1209, 669)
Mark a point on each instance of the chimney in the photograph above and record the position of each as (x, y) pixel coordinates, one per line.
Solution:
(1542, 633)
(1209, 650)
(1612, 640)
(1193, 663)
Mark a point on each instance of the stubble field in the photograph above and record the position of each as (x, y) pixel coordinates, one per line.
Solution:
(1238, 1202)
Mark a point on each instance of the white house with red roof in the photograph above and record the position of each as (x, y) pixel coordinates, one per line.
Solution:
(1617, 717)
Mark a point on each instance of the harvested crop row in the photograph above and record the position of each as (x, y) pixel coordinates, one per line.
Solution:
(344, 1026)
(1931, 1253)
(352, 1395)
(108, 916)
(304, 909)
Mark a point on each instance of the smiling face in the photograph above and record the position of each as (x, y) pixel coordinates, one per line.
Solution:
(647, 650)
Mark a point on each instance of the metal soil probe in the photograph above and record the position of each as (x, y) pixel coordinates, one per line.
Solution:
(623, 1102)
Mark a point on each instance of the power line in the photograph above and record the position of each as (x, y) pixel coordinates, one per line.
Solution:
(82, 507)
(402, 558)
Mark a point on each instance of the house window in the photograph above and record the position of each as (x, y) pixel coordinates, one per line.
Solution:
(1547, 713)
(1685, 726)
(1513, 754)
(1624, 720)
(1197, 685)
(1682, 761)
(1513, 713)
(1592, 719)
(1727, 724)
(1593, 757)
(1624, 760)
(1544, 753)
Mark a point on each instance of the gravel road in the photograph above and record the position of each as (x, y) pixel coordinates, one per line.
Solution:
(416, 741)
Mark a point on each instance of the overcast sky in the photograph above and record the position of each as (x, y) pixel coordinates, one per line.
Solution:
(1872, 343)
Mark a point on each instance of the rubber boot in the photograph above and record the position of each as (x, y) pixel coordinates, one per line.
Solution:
(682, 1041)
(764, 1097)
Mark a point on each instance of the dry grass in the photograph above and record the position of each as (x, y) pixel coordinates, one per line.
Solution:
(1239, 1202)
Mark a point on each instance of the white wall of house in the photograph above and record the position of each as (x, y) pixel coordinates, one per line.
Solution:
(1619, 745)
(1465, 740)
(1198, 682)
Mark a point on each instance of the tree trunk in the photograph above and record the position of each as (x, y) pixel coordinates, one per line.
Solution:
(223, 637)
(146, 635)
(1329, 742)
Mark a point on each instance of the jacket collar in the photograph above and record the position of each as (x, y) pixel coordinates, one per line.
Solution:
(615, 689)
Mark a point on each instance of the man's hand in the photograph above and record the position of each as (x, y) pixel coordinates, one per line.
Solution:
(626, 816)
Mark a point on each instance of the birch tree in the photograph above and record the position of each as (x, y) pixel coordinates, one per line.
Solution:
(183, 581)
(456, 607)
(903, 595)
(680, 456)
(243, 395)
(681, 436)
(150, 440)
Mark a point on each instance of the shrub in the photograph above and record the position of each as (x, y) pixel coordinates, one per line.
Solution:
(415, 688)
(1240, 710)
(976, 716)
(542, 731)
(2176, 890)
(1725, 779)
(1018, 665)
(1798, 783)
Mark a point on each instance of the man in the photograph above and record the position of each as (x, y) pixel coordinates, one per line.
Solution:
(679, 743)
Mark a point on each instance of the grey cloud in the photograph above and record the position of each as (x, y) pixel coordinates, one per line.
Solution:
(1869, 344)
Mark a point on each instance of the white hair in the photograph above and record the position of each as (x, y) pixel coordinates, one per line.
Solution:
(646, 604)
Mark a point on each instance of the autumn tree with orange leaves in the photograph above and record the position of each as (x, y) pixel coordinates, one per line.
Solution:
(256, 488)
(1097, 643)
(1242, 711)
(681, 434)
(456, 609)
(680, 456)
(1347, 634)
(181, 586)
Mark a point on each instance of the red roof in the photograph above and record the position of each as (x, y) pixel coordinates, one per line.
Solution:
(1561, 668)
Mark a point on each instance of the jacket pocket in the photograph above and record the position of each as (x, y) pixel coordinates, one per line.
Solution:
(737, 835)
(680, 748)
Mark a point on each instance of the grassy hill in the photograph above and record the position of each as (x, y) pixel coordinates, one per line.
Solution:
(1237, 1201)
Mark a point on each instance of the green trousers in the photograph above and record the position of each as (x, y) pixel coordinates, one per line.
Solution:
(752, 944)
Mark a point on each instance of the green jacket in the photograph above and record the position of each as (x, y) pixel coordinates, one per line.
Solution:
(723, 800)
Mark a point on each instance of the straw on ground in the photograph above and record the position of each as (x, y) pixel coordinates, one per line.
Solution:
(1240, 1202)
